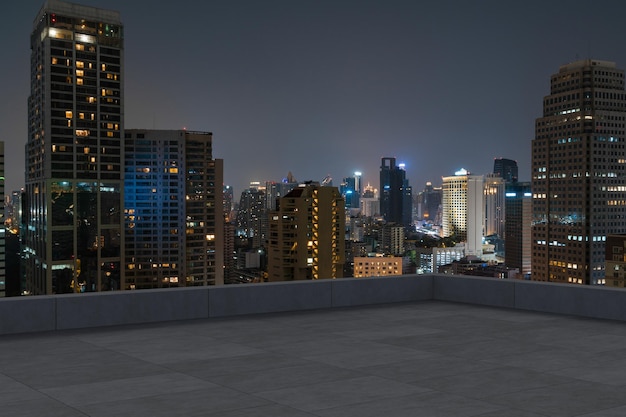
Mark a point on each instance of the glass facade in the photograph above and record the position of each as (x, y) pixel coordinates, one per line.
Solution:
(73, 195)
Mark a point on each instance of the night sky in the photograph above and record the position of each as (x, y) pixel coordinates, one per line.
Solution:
(330, 87)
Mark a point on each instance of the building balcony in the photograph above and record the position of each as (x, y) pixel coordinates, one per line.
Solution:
(398, 346)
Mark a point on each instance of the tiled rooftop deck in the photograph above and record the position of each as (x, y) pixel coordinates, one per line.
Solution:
(423, 358)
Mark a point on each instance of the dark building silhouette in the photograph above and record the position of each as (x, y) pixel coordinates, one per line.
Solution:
(578, 171)
(505, 168)
(517, 237)
(396, 195)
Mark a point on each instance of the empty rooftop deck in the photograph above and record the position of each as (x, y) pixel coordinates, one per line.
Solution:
(408, 358)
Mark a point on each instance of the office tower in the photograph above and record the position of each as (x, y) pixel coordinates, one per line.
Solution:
(396, 199)
(174, 222)
(275, 190)
(429, 204)
(351, 191)
(578, 171)
(228, 202)
(506, 169)
(494, 205)
(463, 210)
(517, 229)
(73, 214)
(252, 216)
(615, 255)
(392, 239)
(306, 234)
(370, 204)
(229, 252)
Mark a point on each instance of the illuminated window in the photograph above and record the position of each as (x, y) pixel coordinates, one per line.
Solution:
(80, 73)
(81, 115)
(79, 81)
(80, 47)
(109, 134)
(54, 61)
(91, 100)
(68, 114)
(80, 64)
(104, 67)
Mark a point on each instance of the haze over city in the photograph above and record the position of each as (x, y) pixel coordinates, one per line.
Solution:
(328, 88)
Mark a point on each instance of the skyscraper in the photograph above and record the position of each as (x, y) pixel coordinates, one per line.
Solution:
(73, 194)
(506, 169)
(396, 198)
(578, 171)
(463, 210)
(307, 235)
(174, 222)
(494, 205)
(517, 231)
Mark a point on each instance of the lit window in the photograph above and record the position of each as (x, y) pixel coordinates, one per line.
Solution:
(104, 67)
(80, 64)
(54, 60)
(80, 47)
(79, 81)
(68, 114)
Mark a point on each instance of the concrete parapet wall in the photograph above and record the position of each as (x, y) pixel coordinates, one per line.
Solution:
(474, 290)
(130, 307)
(72, 311)
(232, 300)
(362, 291)
(578, 300)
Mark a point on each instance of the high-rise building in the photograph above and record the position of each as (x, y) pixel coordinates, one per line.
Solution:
(306, 234)
(463, 210)
(73, 190)
(495, 211)
(174, 222)
(505, 169)
(429, 204)
(517, 228)
(370, 204)
(277, 189)
(578, 171)
(392, 239)
(252, 216)
(396, 195)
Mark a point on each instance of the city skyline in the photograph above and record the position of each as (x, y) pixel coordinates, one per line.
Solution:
(356, 81)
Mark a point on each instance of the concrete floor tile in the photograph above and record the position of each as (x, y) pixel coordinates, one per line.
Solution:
(339, 393)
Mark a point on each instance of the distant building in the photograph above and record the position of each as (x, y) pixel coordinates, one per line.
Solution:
(370, 204)
(392, 239)
(252, 216)
(429, 204)
(495, 211)
(578, 160)
(377, 266)
(505, 169)
(615, 255)
(463, 210)
(517, 235)
(396, 195)
(277, 189)
(307, 235)
(174, 221)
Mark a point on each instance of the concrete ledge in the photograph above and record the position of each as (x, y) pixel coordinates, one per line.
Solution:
(578, 300)
(362, 291)
(27, 314)
(474, 290)
(72, 311)
(129, 307)
(232, 300)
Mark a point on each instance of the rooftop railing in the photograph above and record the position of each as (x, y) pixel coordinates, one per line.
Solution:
(73, 311)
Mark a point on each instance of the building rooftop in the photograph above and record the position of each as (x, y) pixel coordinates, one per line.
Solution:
(418, 358)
